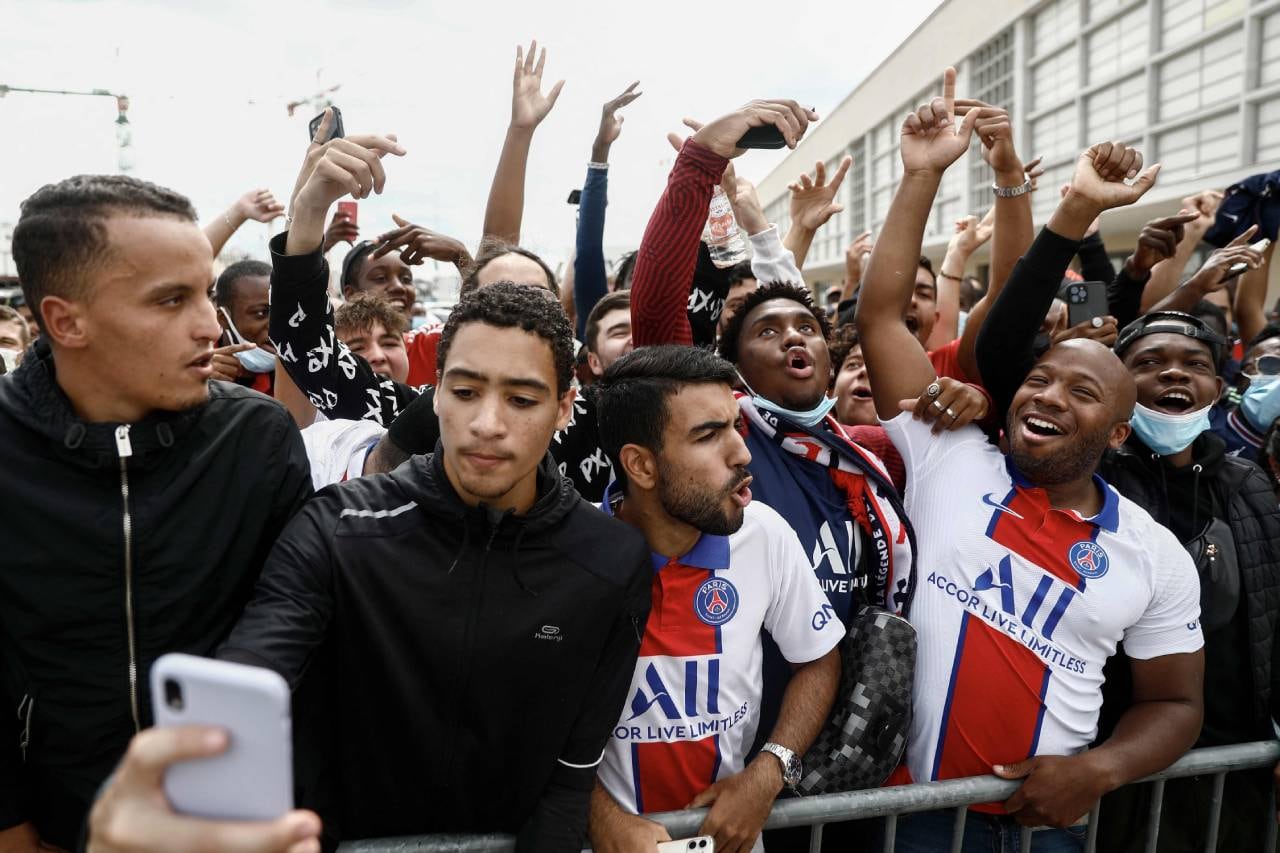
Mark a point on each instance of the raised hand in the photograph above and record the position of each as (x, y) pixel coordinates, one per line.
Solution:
(611, 123)
(971, 233)
(341, 230)
(259, 205)
(812, 199)
(1101, 174)
(1158, 240)
(418, 243)
(528, 105)
(1033, 171)
(747, 208)
(995, 130)
(855, 256)
(722, 135)
(1205, 203)
(1216, 271)
(931, 139)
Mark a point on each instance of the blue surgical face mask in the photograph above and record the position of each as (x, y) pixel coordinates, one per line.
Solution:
(256, 360)
(1261, 402)
(810, 418)
(418, 321)
(1168, 434)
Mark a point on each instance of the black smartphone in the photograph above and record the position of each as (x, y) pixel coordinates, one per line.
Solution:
(764, 136)
(1086, 300)
(337, 126)
(575, 196)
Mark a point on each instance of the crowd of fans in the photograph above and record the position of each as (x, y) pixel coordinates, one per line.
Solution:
(588, 550)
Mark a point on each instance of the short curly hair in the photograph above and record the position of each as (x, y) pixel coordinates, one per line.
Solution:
(507, 305)
(361, 314)
(61, 232)
(842, 341)
(730, 339)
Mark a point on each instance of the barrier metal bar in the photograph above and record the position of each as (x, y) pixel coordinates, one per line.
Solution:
(1215, 816)
(854, 805)
(1153, 817)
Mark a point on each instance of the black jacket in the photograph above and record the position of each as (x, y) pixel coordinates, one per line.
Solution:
(209, 490)
(1240, 487)
(473, 663)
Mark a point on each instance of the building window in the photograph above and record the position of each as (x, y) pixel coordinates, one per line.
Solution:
(1202, 77)
(1055, 79)
(885, 169)
(1181, 20)
(1099, 9)
(1054, 25)
(1046, 197)
(1118, 46)
(1210, 145)
(991, 81)
(1056, 135)
(1267, 141)
(1269, 59)
(857, 181)
(1118, 111)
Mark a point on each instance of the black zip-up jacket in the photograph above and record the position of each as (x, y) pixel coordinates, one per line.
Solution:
(472, 664)
(166, 543)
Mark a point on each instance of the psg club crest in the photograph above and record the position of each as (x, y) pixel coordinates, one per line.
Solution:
(716, 601)
(1089, 559)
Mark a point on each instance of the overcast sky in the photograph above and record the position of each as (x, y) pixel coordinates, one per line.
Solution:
(209, 83)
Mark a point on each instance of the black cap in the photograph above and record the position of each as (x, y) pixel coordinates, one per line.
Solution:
(358, 251)
(1172, 323)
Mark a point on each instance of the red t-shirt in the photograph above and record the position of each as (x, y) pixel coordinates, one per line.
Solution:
(946, 362)
(420, 345)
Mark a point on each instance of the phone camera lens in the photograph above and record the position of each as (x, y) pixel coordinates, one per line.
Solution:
(173, 694)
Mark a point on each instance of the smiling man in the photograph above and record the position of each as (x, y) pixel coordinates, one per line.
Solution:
(481, 620)
(151, 495)
(1037, 569)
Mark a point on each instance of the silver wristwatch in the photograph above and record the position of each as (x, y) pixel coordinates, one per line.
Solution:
(791, 768)
(1012, 192)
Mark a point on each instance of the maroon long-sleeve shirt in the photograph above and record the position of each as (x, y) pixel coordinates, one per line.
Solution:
(669, 251)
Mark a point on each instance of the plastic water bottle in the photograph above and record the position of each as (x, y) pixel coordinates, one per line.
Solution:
(721, 234)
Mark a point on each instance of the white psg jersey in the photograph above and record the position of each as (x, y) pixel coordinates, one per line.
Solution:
(694, 704)
(1019, 605)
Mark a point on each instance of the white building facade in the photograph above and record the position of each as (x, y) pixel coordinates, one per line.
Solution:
(1195, 84)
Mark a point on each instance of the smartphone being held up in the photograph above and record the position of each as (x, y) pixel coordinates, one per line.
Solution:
(336, 132)
(253, 778)
(348, 211)
(1085, 301)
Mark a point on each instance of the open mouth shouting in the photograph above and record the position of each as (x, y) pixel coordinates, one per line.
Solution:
(1039, 429)
(799, 364)
(742, 494)
(1174, 401)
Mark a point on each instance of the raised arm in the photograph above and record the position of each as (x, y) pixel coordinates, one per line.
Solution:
(931, 140)
(1012, 230)
(812, 204)
(1251, 295)
(1214, 275)
(529, 107)
(590, 282)
(669, 251)
(1005, 346)
(1166, 274)
(259, 205)
(969, 237)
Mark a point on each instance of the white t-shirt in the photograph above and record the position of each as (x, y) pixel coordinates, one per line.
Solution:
(694, 704)
(337, 449)
(1019, 605)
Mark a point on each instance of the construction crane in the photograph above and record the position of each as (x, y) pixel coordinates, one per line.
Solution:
(124, 131)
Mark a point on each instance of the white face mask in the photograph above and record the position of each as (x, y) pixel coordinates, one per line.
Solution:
(256, 360)
(1168, 434)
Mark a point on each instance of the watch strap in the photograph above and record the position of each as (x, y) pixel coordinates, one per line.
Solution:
(1012, 192)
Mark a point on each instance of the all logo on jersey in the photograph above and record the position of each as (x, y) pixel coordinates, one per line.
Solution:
(716, 601)
(1034, 614)
(658, 694)
(1089, 559)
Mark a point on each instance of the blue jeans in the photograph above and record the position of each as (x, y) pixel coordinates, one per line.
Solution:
(931, 832)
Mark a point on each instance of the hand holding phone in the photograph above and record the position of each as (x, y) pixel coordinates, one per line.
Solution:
(1086, 300)
(335, 132)
(253, 778)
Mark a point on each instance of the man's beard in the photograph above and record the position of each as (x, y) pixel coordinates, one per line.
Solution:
(697, 507)
(1073, 461)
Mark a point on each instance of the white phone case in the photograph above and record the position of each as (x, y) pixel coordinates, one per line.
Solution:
(698, 844)
(253, 779)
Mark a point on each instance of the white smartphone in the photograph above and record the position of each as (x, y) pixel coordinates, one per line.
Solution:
(700, 844)
(1236, 269)
(253, 779)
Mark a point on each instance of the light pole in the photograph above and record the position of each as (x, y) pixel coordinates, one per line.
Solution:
(124, 131)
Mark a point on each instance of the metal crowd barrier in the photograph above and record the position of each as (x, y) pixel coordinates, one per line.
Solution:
(889, 803)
